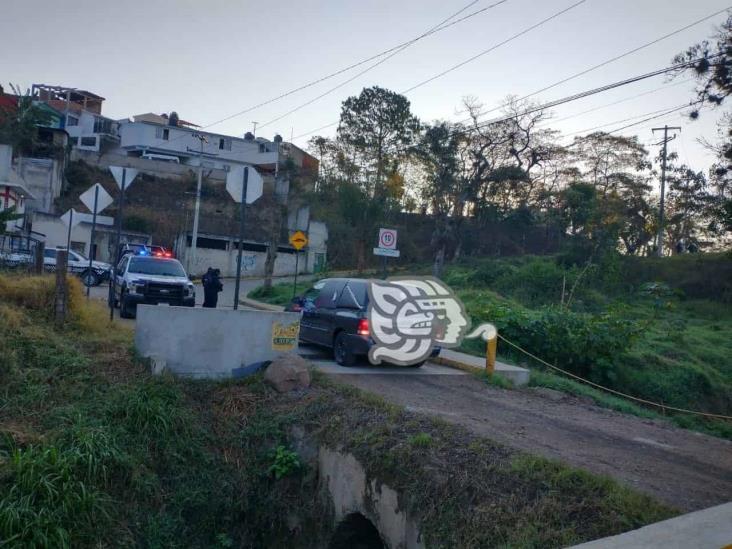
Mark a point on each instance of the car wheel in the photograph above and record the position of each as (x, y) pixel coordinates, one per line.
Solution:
(90, 278)
(342, 353)
(125, 309)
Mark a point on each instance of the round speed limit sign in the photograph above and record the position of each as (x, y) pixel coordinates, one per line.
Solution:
(388, 239)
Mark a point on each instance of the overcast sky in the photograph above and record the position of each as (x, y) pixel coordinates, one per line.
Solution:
(210, 59)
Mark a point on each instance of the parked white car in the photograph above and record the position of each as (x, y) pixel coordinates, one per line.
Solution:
(79, 265)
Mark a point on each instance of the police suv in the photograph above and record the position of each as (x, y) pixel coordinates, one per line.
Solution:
(142, 278)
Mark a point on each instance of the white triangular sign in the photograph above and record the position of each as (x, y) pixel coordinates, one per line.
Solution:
(74, 219)
(130, 175)
(103, 200)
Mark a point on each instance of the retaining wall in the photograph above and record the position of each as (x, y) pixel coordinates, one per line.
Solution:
(213, 343)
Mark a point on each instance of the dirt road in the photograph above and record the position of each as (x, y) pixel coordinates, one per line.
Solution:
(682, 468)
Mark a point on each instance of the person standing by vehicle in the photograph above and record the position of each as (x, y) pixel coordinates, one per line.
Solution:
(211, 288)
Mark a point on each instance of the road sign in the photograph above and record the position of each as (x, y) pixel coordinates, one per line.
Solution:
(388, 239)
(235, 182)
(386, 252)
(72, 217)
(130, 174)
(298, 240)
(103, 200)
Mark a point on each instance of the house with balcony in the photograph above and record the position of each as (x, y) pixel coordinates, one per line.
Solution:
(82, 118)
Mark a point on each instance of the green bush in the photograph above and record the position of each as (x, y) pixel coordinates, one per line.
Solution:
(585, 344)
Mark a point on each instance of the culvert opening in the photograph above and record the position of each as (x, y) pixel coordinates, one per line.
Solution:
(355, 531)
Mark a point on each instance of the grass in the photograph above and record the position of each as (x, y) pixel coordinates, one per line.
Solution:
(279, 294)
(96, 452)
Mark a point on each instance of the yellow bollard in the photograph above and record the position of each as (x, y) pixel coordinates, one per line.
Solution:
(490, 354)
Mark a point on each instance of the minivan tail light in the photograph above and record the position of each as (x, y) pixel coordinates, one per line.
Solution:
(363, 327)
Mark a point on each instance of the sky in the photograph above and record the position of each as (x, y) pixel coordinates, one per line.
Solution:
(208, 60)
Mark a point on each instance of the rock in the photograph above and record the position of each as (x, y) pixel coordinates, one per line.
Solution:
(288, 372)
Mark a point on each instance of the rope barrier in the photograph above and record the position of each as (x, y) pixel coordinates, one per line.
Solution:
(613, 391)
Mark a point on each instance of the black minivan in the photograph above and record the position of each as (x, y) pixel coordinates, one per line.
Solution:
(334, 315)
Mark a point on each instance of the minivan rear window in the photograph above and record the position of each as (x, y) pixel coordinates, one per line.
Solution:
(354, 295)
(329, 294)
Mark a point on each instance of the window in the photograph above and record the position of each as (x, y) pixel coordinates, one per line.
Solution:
(354, 295)
(155, 266)
(210, 243)
(50, 254)
(166, 134)
(262, 148)
(102, 125)
(162, 133)
(74, 141)
(329, 294)
(72, 121)
(88, 141)
(224, 144)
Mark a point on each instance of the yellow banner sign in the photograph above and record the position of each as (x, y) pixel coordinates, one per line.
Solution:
(284, 336)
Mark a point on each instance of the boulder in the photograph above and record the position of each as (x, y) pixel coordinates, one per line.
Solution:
(288, 372)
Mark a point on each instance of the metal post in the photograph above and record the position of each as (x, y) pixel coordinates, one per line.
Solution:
(490, 355)
(115, 253)
(68, 237)
(383, 265)
(61, 295)
(294, 286)
(241, 236)
(194, 238)
(91, 238)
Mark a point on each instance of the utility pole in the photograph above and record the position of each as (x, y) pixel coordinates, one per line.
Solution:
(666, 139)
(194, 238)
(254, 129)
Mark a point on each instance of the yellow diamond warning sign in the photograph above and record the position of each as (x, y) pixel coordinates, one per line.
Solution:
(298, 240)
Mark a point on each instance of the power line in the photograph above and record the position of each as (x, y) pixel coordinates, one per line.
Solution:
(398, 50)
(446, 23)
(484, 52)
(611, 60)
(470, 59)
(624, 120)
(584, 94)
(636, 96)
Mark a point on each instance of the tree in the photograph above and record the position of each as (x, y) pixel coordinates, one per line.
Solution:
(6, 216)
(374, 131)
(438, 154)
(19, 126)
(712, 66)
(377, 126)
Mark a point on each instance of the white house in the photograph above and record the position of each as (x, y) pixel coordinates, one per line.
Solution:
(144, 137)
(82, 116)
(13, 189)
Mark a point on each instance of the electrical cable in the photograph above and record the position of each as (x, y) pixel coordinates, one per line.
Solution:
(613, 391)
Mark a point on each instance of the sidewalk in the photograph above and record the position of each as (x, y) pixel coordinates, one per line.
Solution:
(706, 529)
(518, 376)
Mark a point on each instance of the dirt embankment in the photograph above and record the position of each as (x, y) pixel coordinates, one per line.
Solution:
(682, 468)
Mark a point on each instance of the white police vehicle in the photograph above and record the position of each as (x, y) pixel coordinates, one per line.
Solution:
(79, 265)
(142, 278)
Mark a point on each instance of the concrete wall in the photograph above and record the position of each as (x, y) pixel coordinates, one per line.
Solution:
(210, 343)
(352, 492)
(43, 178)
(156, 168)
(252, 261)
